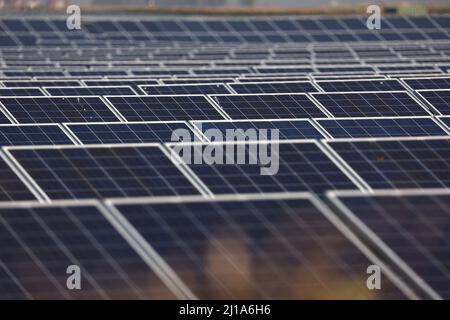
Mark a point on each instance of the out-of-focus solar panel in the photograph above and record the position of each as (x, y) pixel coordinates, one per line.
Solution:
(274, 87)
(381, 127)
(439, 99)
(428, 83)
(360, 85)
(40, 83)
(398, 163)
(58, 109)
(102, 172)
(23, 134)
(445, 120)
(132, 132)
(371, 104)
(210, 244)
(413, 225)
(196, 80)
(30, 91)
(90, 91)
(302, 166)
(165, 108)
(201, 88)
(40, 242)
(134, 83)
(268, 106)
(12, 187)
(261, 130)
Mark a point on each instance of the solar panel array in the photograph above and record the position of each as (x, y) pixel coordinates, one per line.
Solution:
(120, 145)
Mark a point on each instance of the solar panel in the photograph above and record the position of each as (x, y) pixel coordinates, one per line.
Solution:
(428, 83)
(43, 134)
(381, 127)
(132, 132)
(58, 109)
(287, 129)
(268, 106)
(439, 99)
(165, 108)
(40, 83)
(30, 91)
(40, 242)
(413, 225)
(256, 247)
(211, 88)
(274, 87)
(196, 80)
(398, 163)
(12, 188)
(302, 166)
(134, 83)
(370, 104)
(103, 171)
(90, 91)
(360, 85)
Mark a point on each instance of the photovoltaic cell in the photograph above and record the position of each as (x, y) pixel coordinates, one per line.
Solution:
(212, 88)
(58, 109)
(289, 129)
(45, 134)
(414, 225)
(41, 83)
(21, 92)
(274, 87)
(370, 104)
(109, 133)
(102, 172)
(90, 91)
(39, 242)
(165, 108)
(439, 99)
(255, 249)
(428, 83)
(361, 85)
(268, 106)
(401, 163)
(301, 167)
(381, 127)
(11, 187)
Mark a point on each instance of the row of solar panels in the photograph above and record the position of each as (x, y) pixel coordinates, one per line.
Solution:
(230, 247)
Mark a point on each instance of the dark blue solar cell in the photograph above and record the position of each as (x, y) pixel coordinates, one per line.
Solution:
(274, 87)
(58, 109)
(104, 133)
(40, 242)
(165, 108)
(361, 85)
(103, 172)
(428, 83)
(90, 91)
(268, 106)
(11, 186)
(134, 83)
(41, 83)
(293, 129)
(439, 99)
(16, 135)
(399, 163)
(254, 249)
(30, 91)
(387, 127)
(212, 88)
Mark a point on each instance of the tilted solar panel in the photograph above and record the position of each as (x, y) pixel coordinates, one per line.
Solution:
(428, 83)
(201, 88)
(360, 85)
(439, 99)
(398, 163)
(165, 108)
(30, 91)
(23, 134)
(12, 188)
(268, 106)
(40, 83)
(370, 104)
(90, 91)
(103, 171)
(413, 225)
(255, 247)
(40, 241)
(274, 87)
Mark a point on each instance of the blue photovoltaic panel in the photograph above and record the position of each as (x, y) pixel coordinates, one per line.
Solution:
(287, 129)
(41, 83)
(302, 167)
(58, 109)
(212, 88)
(197, 80)
(22, 134)
(370, 104)
(439, 99)
(268, 106)
(361, 85)
(381, 127)
(104, 133)
(39, 242)
(11, 187)
(34, 74)
(102, 172)
(210, 245)
(165, 108)
(100, 73)
(414, 226)
(134, 83)
(30, 91)
(446, 121)
(399, 163)
(90, 91)
(428, 83)
(274, 87)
